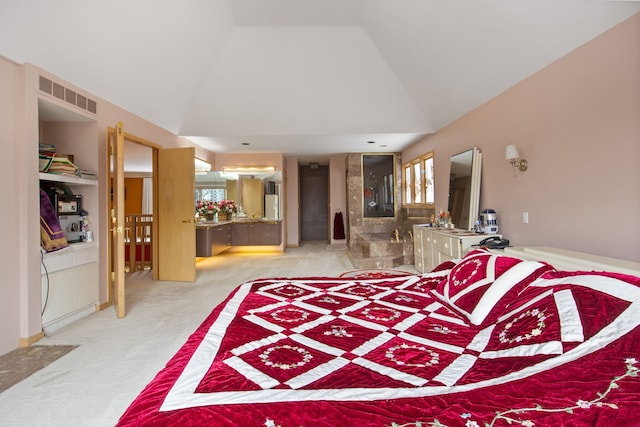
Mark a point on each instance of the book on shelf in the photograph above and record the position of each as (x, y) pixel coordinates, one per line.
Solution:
(45, 162)
(87, 174)
(62, 165)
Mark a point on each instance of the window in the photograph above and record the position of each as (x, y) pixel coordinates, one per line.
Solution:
(417, 181)
(210, 194)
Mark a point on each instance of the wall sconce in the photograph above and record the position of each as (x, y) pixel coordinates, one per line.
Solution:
(513, 157)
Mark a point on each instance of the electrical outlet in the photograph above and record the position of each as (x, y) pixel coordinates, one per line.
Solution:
(525, 217)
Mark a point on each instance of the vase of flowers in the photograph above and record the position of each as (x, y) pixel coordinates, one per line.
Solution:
(226, 209)
(206, 209)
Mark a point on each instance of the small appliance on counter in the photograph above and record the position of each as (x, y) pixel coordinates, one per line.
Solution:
(71, 216)
(488, 221)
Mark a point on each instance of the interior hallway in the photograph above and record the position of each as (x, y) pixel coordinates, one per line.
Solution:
(116, 358)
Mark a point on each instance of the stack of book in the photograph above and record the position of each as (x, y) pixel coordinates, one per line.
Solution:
(47, 153)
(62, 166)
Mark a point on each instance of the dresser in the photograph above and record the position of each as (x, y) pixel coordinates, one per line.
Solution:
(433, 246)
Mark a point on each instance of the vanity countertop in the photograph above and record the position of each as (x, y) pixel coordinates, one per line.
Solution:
(207, 224)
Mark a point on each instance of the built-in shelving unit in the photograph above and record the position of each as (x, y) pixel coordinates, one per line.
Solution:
(67, 179)
(70, 277)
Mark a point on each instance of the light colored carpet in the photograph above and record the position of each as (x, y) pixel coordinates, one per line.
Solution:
(116, 358)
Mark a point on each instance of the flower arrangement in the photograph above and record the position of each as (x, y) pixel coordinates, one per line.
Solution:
(227, 206)
(206, 207)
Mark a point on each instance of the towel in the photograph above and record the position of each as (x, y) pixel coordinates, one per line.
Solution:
(338, 226)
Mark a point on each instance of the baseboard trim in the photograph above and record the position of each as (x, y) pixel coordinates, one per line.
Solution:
(26, 342)
(56, 324)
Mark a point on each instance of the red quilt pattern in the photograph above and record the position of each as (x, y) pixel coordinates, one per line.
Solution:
(383, 352)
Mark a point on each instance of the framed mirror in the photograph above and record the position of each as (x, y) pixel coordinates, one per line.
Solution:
(378, 185)
(464, 188)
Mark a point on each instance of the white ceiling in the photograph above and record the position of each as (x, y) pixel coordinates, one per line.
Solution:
(302, 77)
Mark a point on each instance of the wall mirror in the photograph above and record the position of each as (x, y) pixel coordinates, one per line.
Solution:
(258, 195)
(464, 188)
(378, 185)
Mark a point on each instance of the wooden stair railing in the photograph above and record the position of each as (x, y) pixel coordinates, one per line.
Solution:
(138, 241)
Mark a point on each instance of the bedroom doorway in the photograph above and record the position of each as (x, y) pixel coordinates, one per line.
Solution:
(121, 235)
(314, 203)
(139, 214)
(174, 206)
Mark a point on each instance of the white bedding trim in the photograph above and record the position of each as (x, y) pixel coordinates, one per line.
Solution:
(572, 330)
(391, 372)
(258, 377)
(317, 373)
(500, 287)
(452, 373)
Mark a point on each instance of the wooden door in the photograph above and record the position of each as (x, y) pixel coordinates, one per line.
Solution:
(174, 200)
(115, 147)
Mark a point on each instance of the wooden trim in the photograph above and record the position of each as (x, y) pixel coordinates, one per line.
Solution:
(154, 226)
(134, 138)
(26, 342)
(100, 307)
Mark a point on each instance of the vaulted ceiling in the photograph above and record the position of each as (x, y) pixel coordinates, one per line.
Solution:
(307, 78)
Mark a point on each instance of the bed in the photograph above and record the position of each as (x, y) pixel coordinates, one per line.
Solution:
(490, 340)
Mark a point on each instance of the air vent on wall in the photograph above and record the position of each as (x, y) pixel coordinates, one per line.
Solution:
(68, 95)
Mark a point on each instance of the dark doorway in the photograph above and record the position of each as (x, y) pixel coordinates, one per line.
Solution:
(314, 203)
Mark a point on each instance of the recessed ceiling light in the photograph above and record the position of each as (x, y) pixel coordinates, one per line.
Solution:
(246, 143)
(371, 142)
(383, 145)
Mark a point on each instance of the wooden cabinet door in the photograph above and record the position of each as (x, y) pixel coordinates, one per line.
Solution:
(220, 239)
(271, 234)
(430, 240)
(418, 249)
(240, 234)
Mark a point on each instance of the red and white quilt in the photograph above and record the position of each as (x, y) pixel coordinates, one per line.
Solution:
(553, 348)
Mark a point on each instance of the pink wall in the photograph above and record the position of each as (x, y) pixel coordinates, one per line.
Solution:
(21, 290)
(577, 122)
(338, 193)
(11, 84)
(292, 203)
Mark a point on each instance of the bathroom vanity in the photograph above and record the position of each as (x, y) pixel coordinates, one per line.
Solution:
(213, 238)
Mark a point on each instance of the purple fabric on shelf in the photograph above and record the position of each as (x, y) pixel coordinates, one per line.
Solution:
(51, 233)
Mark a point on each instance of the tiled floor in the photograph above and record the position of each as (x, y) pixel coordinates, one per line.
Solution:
(22, 362)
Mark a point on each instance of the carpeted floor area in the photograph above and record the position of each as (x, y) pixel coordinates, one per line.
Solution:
(20, 363)
(116, 358)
